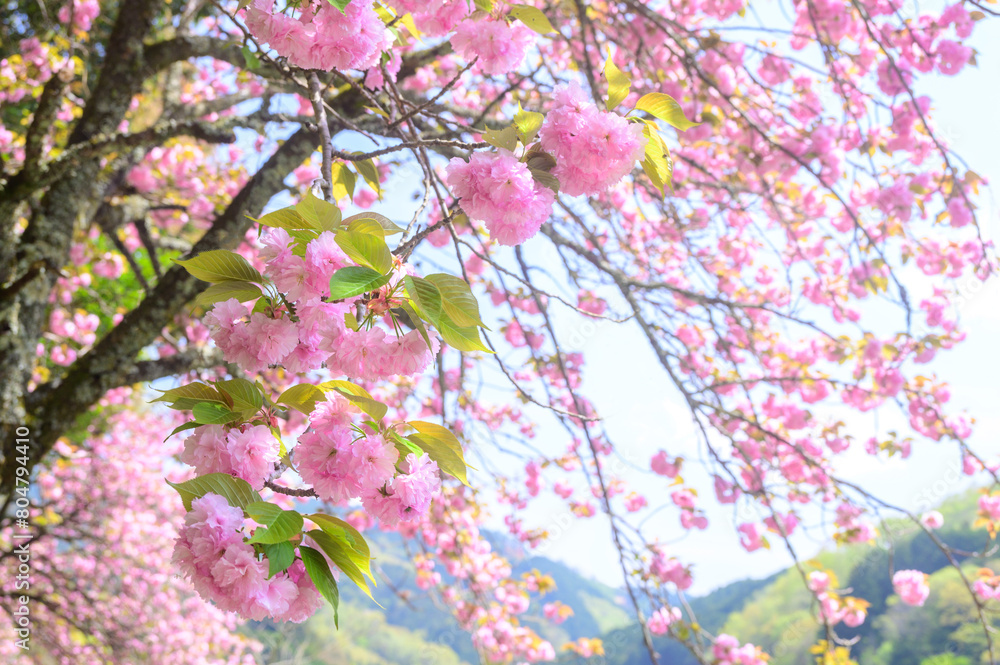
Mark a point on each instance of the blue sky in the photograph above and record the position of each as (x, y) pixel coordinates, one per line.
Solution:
(640, 406)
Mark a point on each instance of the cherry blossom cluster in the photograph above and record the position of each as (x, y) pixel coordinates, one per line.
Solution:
(321, 36)
(82, 13)
(485, 599)
(316, 334)
(592, 151)
(212, 552)
(433, 17)
(121, 527)
(497, 46)
(728, 651)
(833, 607)
(499, 190)
(305, 313)
(340, 465)
(911, 586)
(659, 622)
(246, 452)
(987, 586)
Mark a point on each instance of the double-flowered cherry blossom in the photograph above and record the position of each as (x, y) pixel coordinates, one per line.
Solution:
(212, 553)
(497, 46)
(911, 586)
(320, 36)
(245, 452)
(593, 149)
(500, 191)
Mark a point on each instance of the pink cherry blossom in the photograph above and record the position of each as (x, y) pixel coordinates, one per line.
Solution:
(593, 149)
(661, 465)
(254, 452)
(322, 36)
(497, 189)
(659, 622)
(911, 586)
(499, 46)
(932, 519)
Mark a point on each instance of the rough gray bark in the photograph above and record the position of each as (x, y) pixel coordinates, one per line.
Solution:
(45, 243)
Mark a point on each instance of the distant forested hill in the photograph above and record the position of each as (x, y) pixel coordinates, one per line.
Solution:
(775, 612)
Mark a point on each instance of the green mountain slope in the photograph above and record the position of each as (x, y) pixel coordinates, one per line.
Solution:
(411, 628)
(776, 613)
(364, 638)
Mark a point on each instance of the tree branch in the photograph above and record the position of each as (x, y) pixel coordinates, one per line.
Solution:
(161, 55)
(111, 362)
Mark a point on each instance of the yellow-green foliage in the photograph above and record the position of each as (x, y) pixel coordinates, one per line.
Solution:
(364, 638)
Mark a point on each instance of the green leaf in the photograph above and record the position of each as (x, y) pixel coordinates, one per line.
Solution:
(457, 300)
(338, 547)
(280, 524)
(545, 179)
(301, 397)
(366, 249)
(538, 160)
(657, 163)
(355, 280)
(343, 182)
(236, 491)
(303, 236)
(378, 111)
(418, 325)
(505, 138)
(441, 446)
(533, 18)
(404, 446)
(484, 5)
(369, 172)
(249, 57)
(357, 396)
(319, 572)
(389, 227)
(246, 398)
(528, 123)
(279, 557)
(193, 392)
(183, 428)
(666, 109)
(242, 291)
(426, 297)
(619, 84)
(461, 338)
(367, 225)
(340, 4)
(286, 218)
(212, 413)
(220, 265)
(320, 214)
(358, 542)
(262, 305)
